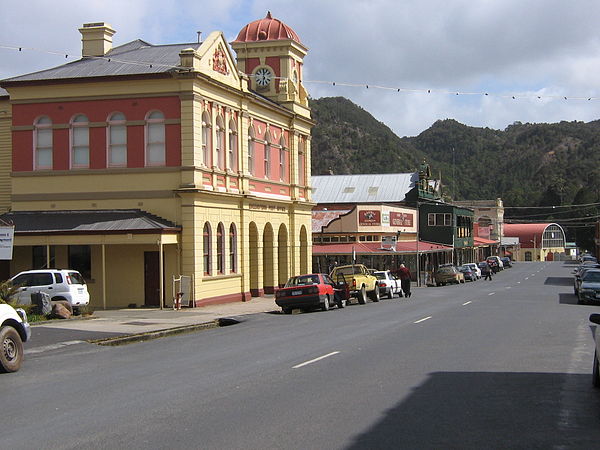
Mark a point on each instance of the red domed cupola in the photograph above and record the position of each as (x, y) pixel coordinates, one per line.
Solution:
(267, 29)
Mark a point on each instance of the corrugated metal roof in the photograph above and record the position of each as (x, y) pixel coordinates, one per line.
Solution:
(134, 58)
(530, 234)
(380, 188)
(86, 221)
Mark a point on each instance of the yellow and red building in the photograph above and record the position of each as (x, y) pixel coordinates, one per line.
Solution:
(140, 163)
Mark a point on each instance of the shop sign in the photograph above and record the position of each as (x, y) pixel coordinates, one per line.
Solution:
(398, 219)
(6, 242)
(369, 217)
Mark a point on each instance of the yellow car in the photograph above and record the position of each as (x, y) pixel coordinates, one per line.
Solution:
(448, 274)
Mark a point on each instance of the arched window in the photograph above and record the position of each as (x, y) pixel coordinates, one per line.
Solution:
(282, 153)
(155, 139)
(117, 140)
(80, 142)
(233, 144)
(301, 149)
(220, 147)
(251, 151)
(42, 143)
(206, 248)
(232, 249)
(220, 248)
(267, 156)
(206, 139)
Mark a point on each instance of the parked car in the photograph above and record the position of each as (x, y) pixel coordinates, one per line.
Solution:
(306, 292)
(448, 274)
(475, 268)
(14, 330)
(579, 274)
(495, 263)
(389, 285)
(595, 319)
(589, 287)
(506, 261)
(468, 273)
(360, 281)
(59, 284)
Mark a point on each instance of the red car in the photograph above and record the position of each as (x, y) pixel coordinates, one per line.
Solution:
(316, 290)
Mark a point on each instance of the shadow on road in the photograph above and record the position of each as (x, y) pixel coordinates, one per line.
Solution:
(559, 281)
(491, 410)
(567, 299)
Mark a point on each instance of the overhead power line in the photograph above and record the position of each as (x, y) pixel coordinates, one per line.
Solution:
(333, 83)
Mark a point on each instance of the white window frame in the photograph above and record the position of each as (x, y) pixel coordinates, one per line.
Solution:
(42, 125)
(80, 142)
(153, 124)
(116, 121)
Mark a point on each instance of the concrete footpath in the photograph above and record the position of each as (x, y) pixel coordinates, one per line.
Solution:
(144, 323)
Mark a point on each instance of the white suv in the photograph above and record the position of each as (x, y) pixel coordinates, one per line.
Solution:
(14, 330)
(58, 284)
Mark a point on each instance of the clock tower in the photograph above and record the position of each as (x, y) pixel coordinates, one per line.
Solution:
(271, 54)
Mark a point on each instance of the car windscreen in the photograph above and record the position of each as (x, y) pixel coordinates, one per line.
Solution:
(446, 270)
(380, 275)
(76, 278)
(302, 281)
(593, 277)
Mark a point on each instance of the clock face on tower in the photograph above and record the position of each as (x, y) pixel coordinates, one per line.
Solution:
(263, 77)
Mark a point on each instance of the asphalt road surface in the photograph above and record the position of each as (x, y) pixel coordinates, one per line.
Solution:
(491, 364)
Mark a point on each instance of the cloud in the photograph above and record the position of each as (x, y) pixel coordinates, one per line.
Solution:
(503, 47)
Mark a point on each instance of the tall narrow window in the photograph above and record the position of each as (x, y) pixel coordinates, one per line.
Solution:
(155, 139)
(220, 147)
(232, 249)
(301, 148)
(232, 146)
(267, 156)
(220, 248)
(117, 140)
(80, 259)
(251, 151)
(282, 153)
(43, 143)
(206, 248)
(206, 140)
(80, 142)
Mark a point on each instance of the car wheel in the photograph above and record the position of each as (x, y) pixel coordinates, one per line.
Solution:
(341, 304)
(580, 301)
(286, 310)
(390, 294)
(325, 305)
(596, 372)
(375, 294)
(11, 349)
(362, 296)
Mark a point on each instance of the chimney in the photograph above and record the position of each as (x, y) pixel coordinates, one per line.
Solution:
(96, 39)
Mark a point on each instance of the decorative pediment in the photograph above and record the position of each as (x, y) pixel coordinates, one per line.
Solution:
(216, 60)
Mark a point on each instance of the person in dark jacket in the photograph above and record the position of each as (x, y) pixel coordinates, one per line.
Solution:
(486, 271)
(404, 275)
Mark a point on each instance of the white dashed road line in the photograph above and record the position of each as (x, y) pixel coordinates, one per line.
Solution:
(423, 319)
(491, 293)
(306, 363)
(465, 304)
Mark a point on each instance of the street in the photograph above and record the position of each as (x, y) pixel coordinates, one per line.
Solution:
(490, 364)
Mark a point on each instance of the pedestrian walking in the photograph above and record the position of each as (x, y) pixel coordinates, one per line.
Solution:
(404, 275)
(486, 271)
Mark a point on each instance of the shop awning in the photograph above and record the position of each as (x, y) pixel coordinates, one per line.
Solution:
(362, 248)
(482, 242)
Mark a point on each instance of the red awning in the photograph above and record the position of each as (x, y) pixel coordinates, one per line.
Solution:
(480, 242)
(377, 248)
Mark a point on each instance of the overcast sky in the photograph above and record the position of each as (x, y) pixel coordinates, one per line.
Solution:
(506, 48)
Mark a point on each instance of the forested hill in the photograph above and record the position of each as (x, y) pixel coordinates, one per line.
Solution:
(525, 164)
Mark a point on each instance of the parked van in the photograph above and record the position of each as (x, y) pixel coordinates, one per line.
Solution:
(58, 284)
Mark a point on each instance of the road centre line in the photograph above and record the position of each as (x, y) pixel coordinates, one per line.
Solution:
(423, 319)
(45, 348)
(306, 363)
(465, 304)
(491, 293)
(527, 278)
